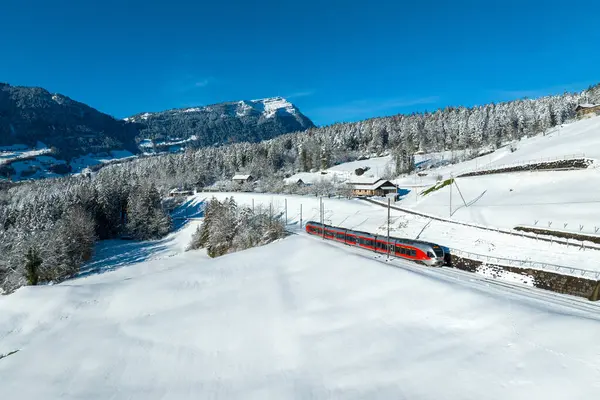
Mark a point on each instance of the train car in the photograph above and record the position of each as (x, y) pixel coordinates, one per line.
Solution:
(414, 250)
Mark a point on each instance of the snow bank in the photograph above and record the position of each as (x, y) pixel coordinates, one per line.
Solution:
(296, 319)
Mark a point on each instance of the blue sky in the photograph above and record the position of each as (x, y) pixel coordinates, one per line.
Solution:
(337, 60)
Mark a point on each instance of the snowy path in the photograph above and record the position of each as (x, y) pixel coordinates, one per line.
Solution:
(295, 319)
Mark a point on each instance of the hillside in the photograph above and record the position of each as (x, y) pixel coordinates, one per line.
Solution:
(565, 200)
(29, 115)
(230, 122)
(295, 319)
(45, 135)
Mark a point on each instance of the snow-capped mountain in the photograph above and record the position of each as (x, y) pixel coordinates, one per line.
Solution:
(245, 120)
(74, 136)
(267, 108)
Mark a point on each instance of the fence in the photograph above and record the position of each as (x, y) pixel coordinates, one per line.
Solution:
(527, 264)
(592, 230)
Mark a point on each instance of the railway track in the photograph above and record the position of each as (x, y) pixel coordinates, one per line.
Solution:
(433, 217)
(477, 282)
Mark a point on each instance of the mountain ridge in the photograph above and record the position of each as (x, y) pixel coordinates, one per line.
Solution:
(221, 123)
(74, 135)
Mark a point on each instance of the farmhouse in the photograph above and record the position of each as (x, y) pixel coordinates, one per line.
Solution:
(372, 186)
(242, 179)
(301, 183)
(585, 109)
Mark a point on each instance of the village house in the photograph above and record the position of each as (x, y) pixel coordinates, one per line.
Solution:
(585, 109)
(241, 179)
(372, 186)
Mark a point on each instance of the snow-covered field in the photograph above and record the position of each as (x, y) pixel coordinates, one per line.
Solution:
(80, 163)
(359, 215)
(579, 139)
(564, 200)
(20, 151)
(508, 200)
(37, 163)
(299, 318)
(345, 171)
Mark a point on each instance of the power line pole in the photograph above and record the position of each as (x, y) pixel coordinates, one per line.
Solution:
(300, 216)
(459, 192)
(451, 199)
(323, 218)
(286, 220)
(388, 227)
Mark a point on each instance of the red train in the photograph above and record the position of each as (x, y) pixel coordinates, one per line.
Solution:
(414, 250)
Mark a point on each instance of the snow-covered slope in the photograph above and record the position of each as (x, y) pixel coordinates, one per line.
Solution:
(526, 198)
(19, 162)
(295, 319)
(576, 139)
(229, 122)
(566, 200)
(345, 171)
(268, 107)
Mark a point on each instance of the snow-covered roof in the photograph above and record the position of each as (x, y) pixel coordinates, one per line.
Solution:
(363, 180)
(588, 105)
(180, 191)
(241, 177)
(382, 183)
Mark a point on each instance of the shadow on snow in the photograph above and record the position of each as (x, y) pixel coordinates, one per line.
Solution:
(110, 255)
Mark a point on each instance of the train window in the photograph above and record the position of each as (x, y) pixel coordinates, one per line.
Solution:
(351, 239)
(340, 235)
(369, 242)
(413, 253)
(430, 254)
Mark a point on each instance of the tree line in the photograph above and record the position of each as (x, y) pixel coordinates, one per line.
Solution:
(228, 228)
(41, 222)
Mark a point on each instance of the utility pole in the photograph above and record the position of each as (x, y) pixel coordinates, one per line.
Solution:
(300, 216)
(286, 220)
(459, 192)
(451, 199)
(388, 227)
(322, 218)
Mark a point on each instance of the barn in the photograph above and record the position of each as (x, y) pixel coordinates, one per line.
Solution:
(586, 109)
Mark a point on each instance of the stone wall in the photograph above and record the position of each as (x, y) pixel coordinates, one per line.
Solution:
(566, 284)
(579, 163)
